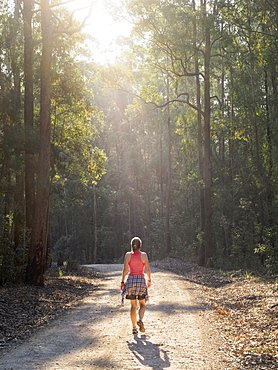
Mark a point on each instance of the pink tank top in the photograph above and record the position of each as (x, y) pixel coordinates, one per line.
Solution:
(136, 266)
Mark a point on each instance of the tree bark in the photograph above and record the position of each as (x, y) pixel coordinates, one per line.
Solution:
(207, 145)
(94, 225)
(169, 174)
(39, 234)
(19, 209)
(29, 113)
(200, 146)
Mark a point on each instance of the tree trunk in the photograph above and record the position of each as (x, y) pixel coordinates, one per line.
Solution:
(19, 210)
(169, 175)
(207, 146)
(39, 234)
(29, 113)
(160, 173)
(255, 128)
(94, 224)
(269, 156)
(200, 147)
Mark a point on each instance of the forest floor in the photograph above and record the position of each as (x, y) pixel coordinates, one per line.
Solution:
(196, 319)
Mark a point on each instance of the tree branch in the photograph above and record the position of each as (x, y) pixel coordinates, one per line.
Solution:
(156, 106)
(69, 30)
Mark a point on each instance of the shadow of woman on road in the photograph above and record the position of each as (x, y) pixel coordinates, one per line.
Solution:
(148, 353)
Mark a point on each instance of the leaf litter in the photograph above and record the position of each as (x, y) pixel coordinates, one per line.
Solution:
(23, 308)
(243, 308)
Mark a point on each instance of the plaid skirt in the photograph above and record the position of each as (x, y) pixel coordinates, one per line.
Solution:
(135, 288)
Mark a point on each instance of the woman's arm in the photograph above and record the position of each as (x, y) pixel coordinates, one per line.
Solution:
(147, 266)
(125, 268)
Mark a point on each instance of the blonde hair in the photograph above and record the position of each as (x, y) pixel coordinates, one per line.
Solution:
(136, 244)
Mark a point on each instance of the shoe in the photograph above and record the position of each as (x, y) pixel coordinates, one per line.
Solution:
(141, 326)
(134, 331)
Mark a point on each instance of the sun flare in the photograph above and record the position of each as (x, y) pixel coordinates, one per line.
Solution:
(101, 27)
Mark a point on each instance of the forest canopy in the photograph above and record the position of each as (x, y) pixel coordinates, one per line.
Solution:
(175, 141)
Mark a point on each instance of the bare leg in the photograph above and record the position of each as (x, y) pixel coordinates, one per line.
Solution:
(142, 308)
(133, 313)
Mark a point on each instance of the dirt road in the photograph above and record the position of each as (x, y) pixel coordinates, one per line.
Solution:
(96, 333)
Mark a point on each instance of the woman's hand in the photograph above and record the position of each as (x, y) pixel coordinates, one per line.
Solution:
(149, 283)
(122, 285)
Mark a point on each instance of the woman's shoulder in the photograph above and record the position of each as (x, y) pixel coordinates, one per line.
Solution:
(128, 254)
(144, 256)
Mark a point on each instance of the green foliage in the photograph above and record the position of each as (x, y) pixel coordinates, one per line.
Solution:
(76, 160)
(109, 171)
(150, 94)
(7, 262)
(13, 258)
(243, 132)
(268, 253)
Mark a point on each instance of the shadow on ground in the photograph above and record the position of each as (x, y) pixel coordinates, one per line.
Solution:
(148, 353)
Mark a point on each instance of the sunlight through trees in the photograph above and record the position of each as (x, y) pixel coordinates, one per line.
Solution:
(173, 138)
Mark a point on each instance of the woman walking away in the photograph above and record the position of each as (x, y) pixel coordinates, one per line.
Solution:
(136, 289)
